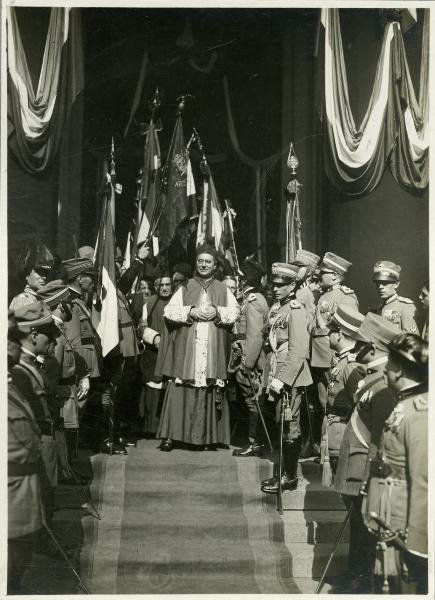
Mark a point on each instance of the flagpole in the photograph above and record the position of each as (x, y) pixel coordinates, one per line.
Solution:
(164, 182)
(293, 221)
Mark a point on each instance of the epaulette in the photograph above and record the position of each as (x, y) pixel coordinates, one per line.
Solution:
(405, 300)
(251, 297)
(346, 290)
(295, 304)
(420, 403)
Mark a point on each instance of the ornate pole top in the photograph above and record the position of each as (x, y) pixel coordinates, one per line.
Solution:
(292, 164)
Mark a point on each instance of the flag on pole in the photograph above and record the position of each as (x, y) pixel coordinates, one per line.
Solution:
(149, 187)
(211, 224)
(179, 199)
(105, 309)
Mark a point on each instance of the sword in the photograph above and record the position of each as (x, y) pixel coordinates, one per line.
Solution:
(331, 556)
(260, 413)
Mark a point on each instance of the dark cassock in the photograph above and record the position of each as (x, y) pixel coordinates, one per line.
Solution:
(154, 334)
(195, 408)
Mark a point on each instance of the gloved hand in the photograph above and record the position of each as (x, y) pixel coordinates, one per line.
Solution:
(276, 385)
(84, 385)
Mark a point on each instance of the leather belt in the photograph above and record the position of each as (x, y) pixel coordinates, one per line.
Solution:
(126, 324)
(88, 341)
(238, 336)
(22, 469)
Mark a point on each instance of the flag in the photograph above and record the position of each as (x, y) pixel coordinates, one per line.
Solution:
(178, 202)
(211, 224)
(105, 309)
(149, 187)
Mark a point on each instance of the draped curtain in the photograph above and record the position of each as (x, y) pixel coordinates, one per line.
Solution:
(36, 119)
(395, 128)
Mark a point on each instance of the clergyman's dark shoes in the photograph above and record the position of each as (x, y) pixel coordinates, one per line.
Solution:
(166, 445)
(250, 450)
(287, 484)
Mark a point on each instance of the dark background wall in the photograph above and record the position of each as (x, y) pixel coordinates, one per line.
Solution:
(389, 223)
(268, 57)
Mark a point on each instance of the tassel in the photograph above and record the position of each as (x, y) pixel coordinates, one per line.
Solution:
(326, 473)
(326, 470)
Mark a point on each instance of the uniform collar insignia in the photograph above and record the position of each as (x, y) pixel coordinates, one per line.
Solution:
(411, 391)
(391, 299)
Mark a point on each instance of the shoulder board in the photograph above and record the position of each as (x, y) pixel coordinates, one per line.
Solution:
(405, 300)
(251, 297)
(420, 403)
(346, 290)
(295, 304)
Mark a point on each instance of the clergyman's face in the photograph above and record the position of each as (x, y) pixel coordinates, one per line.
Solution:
(165, 287)
(145, 288)
(205, 265)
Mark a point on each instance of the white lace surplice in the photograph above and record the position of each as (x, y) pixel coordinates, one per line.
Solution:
(178, 313)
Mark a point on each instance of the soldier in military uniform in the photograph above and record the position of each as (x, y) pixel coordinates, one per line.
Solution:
(394, 308)
(289, 371)
(344, 377)
(65, 369)
(247, 356)
(35, 277)
(332, 271)
(80, 276)
(397, 490)
(374, 403)
(24, 455)
(310, 421)
(40, 333)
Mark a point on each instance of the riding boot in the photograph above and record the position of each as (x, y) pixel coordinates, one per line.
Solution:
(289, 480)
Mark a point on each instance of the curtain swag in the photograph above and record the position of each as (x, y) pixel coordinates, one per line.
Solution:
(35, 120)
(395, 128)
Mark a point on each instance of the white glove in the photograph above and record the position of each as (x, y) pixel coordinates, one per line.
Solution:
(276, 385)
(84, 385)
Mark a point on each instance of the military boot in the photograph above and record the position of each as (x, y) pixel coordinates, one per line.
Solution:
(289, 479)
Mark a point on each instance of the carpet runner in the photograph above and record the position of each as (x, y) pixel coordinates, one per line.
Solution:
(185, 522)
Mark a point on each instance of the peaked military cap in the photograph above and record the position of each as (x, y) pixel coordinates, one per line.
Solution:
(347, 319)
(284, 272)
(385, 270)
(78, 266)
(377, 331)
(54, 292)
(304, 258)
(35, 317)
(336, 264)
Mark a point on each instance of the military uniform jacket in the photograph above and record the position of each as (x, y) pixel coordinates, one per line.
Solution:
(321, 353)
(289, 341)
(400, 312)
(250, 328)
(305, 295)
(152, 324)
(401, 497)
(83, 337)
(374, 403)
(24, 505)
(28, 296)
(344, 377)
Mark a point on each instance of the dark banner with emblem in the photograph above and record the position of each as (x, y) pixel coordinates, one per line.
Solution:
(178, 201)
